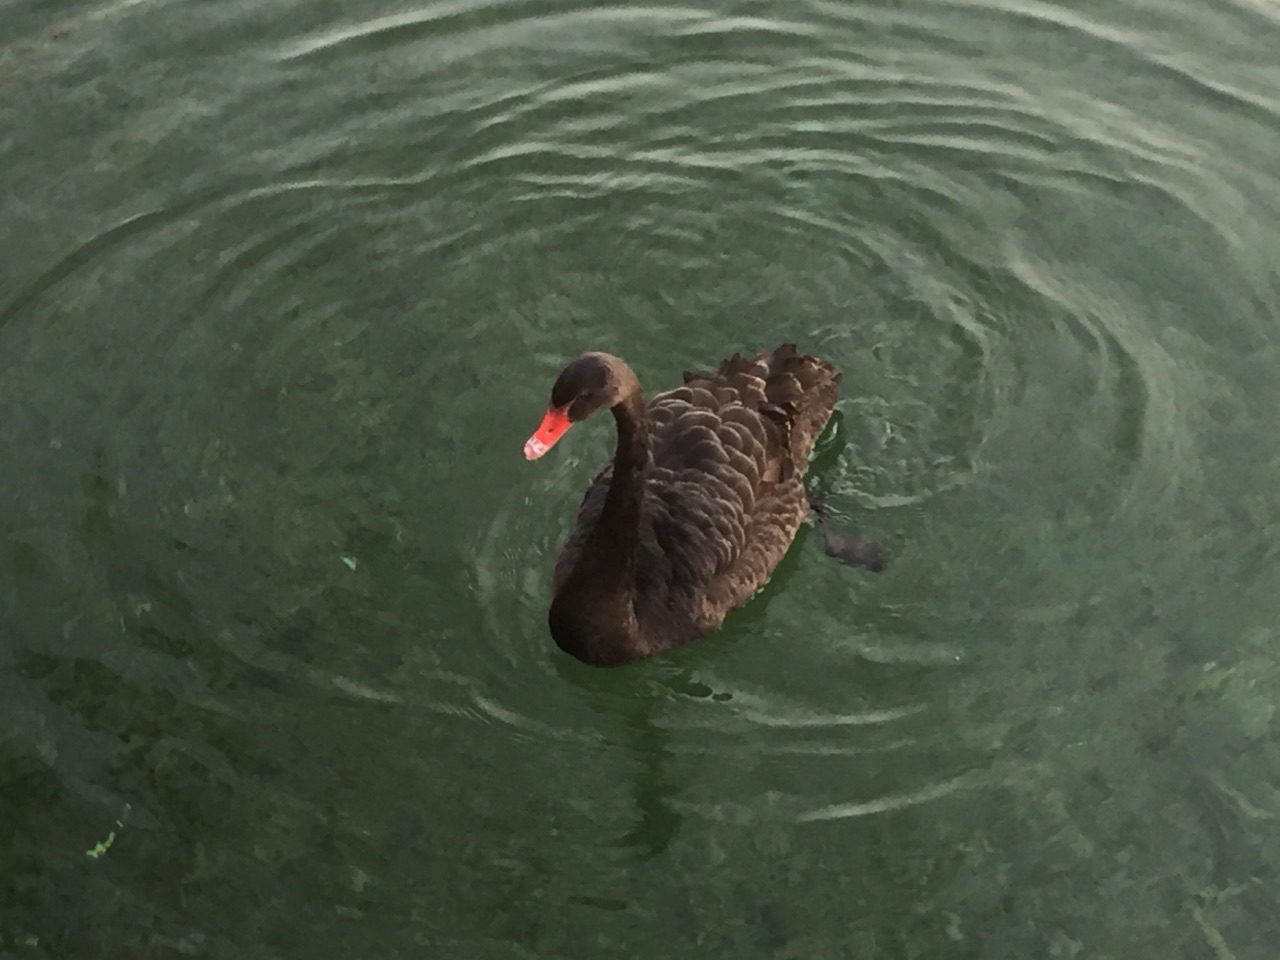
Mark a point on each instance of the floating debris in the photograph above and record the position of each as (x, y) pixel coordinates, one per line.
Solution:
(101, 847)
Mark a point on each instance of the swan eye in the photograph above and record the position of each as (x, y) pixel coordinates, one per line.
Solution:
(582, 406)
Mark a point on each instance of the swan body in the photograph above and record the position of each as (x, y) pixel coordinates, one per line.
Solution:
(701, 499)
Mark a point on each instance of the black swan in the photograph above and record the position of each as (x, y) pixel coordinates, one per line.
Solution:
(700, 501)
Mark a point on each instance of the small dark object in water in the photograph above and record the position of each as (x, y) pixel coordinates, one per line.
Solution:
(855, 551)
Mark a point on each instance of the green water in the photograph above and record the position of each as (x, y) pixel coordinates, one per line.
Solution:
(283, 289)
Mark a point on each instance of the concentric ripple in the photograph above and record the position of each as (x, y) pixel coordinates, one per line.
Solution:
(286, 286)
(805, 190)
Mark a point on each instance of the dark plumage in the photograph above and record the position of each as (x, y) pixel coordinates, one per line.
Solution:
(700, 501)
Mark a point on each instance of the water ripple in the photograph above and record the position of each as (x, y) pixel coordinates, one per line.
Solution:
(440, 19)
(370, 289)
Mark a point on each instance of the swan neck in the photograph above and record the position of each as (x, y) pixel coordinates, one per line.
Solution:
(618, 529)
(593, 616)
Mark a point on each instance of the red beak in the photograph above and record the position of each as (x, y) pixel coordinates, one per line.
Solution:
(553, 426)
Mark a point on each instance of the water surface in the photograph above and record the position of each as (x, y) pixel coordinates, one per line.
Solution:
(283, 289)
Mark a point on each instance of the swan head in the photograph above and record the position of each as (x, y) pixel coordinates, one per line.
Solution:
(591, 383)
